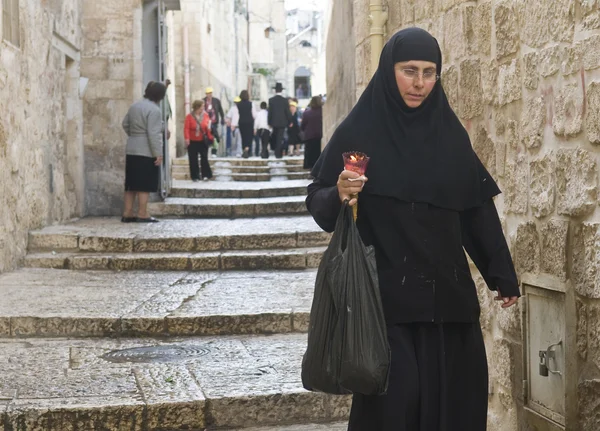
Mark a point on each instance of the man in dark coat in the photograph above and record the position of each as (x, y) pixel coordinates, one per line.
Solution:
(279, 119)
(213, 108)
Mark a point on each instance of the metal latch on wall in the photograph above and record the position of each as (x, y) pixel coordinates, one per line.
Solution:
(545, 357)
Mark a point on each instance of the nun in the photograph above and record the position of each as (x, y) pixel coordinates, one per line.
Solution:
(425, 198)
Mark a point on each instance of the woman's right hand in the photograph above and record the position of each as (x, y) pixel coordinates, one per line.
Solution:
(187, 143)
(349, 184)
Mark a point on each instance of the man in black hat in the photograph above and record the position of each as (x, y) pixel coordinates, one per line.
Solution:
(279, 119)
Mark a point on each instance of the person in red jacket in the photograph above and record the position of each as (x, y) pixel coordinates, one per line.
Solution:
(197, 134)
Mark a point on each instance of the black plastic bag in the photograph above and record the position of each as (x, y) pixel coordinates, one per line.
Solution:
(348, 350)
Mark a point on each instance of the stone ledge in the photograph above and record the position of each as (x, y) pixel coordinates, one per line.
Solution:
(230, 208)
(298, 258)
(110, 235)
(238, 161)
(226, 382)
(225, 176)
(49, 303)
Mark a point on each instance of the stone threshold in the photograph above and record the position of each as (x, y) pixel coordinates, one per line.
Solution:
(238, 161)
(298, 258)
(236, 193)
(177, 235)
(274, 166)
(160, 384)
(229, 208)
(49, 303)
(226, 176)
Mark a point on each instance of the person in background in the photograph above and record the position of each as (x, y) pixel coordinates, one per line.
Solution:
(144, 127)
(262, 130)
(294, 131)
(312, 128)
(214, 109)
(232, 120)
(197, 135)
(246, 122)
(279, 119)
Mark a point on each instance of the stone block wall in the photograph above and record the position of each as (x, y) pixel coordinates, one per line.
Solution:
(41, 174)
(112, 64)
(524, 78)
(341, 78)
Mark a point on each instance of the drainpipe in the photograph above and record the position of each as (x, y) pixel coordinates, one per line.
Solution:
(377, 20)
(186, 68)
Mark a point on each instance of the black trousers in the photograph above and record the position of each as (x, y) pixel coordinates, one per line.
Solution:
(438, 382)
(247, 131)
(265, 136)
(312, 151)
(201, 148)
(277, 140)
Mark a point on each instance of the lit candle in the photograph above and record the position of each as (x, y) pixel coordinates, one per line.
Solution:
(355, 161)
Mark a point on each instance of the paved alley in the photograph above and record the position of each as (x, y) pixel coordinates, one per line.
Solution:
(195, 322)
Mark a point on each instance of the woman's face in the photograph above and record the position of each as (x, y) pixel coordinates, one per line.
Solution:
(199, 110)
(293, 109)
(415, 80)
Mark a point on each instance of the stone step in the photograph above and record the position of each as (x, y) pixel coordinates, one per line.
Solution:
(252, 161)
(231, 208)
(297, 258)
(109, 235)
(160, 384)
(233, 190)
(338, 426)
(59, 303)
(219, 175)
(224, 167)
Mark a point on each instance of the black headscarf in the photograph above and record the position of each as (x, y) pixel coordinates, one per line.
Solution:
(421, 154)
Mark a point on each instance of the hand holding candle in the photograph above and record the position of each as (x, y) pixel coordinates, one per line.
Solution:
(352, 179)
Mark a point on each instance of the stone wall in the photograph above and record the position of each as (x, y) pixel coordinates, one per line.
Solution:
(41, 174)
(112, 62)
(340, 55)
(524, 77)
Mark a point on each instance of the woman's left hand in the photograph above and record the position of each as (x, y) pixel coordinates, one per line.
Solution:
(508, 301)
(158, 161)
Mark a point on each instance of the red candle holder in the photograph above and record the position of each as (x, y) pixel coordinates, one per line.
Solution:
(356, 161)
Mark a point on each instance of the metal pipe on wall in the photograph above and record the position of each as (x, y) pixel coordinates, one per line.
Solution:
(377, 18)
(186, 68)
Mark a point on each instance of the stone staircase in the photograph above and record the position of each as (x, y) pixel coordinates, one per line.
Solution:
(188, 324)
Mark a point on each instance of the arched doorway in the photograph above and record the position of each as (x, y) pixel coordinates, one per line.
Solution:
(302, 86)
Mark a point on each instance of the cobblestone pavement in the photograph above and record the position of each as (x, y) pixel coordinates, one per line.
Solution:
(196, 322)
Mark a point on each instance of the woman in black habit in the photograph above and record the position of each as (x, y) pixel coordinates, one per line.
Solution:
(426, 197)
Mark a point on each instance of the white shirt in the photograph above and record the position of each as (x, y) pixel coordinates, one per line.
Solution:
(261, 121)
(233, 115)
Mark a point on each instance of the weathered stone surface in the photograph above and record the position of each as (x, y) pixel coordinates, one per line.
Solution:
(516, 175)
(592, 118)
(533, 121)
(591, 52)
(527, 248)
(593, 314)
(509, 83)
(501, 372)
(581, 329)
(447, 4)
(479, 30)
(450, 83)
(542, 186)
(470, 103)
(586, 259)
(589, 404)
(229, 382)
(549, 60)
(542, 21)
(569, 106)
(576, 182)
(455, 35)
(554, 247)
(507, 32)
(531, 77)
(485, 149)
(489, 81)
(572, 59)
